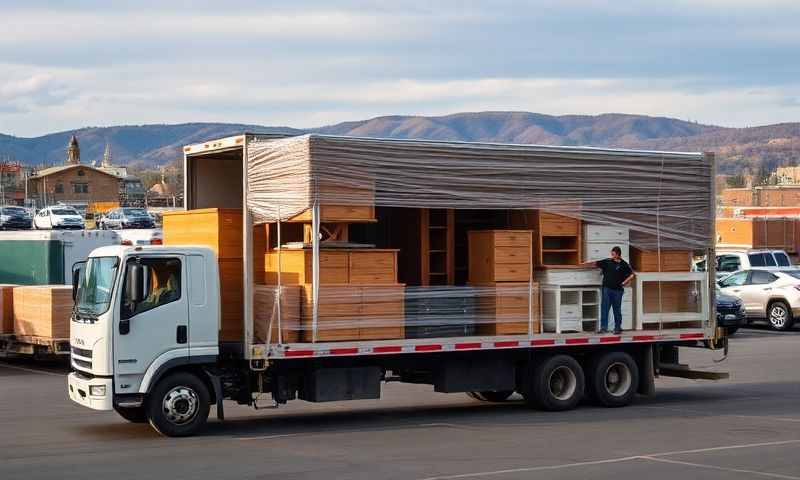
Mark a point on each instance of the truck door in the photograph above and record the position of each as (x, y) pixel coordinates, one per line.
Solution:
(155, 329)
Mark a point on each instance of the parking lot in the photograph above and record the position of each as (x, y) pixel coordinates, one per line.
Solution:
(745, 427)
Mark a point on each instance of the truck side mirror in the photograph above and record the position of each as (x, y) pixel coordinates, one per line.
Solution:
(135, 282)
(77, 269)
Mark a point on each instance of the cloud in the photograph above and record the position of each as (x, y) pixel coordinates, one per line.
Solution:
(313, 62)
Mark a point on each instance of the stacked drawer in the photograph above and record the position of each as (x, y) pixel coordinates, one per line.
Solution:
(598, 240)
(500, 268)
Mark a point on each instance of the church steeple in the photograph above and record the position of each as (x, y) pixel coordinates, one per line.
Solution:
(73, 152)
(106, 156)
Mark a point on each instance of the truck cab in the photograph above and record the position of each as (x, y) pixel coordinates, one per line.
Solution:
(141, 312)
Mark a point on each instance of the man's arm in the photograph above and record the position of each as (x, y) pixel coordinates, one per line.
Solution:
(592, 264)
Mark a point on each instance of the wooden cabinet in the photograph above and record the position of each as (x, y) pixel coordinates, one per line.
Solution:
(437, 246)
(7, 308)
(558, 240)
(670, 260)
(508, 308)
(217, 228)
(354, 312)
(369, 266)
(499, 256)
(359, 207)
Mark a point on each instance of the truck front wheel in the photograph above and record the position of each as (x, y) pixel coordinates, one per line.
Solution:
(613, 379)
(133, 415)
(178, 405)
(556, 384)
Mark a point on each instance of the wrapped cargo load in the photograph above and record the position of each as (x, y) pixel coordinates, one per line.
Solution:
(376, 239)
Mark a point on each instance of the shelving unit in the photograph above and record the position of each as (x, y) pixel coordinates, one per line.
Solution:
(437, 245)
(570, 309)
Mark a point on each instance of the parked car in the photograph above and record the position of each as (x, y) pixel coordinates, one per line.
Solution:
(730, 312)
(771, 294)
(733, 261)
(126, 217)
(58, 216)
(15, 218)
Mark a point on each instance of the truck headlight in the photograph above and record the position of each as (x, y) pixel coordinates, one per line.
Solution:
(97, 390)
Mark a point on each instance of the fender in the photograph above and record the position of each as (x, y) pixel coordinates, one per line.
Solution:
(164, 363)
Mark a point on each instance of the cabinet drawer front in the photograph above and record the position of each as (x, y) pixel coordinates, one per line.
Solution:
(551, 224)
(599, 251)
(331, 213)
(602, 233)
(512, 272)
(569, 277)
(512, 238)
(512, 254)
(373, 267)
(569, 311)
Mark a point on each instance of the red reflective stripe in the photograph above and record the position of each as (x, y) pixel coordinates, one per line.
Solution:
(576, 341)
(510, 343)
(467, 346)
(343, 351)
(543, 342)
(427, 348)
(610, 339)
(692, 335)
(391, 349)
(298, 353)
(639, 338)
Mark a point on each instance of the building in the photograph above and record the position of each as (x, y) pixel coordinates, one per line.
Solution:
(788, 175)
(762, 196)
(73, 183)
(737, 197)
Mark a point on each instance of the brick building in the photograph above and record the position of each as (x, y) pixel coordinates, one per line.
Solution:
(73, 183)
(764, 196)
(738, 197)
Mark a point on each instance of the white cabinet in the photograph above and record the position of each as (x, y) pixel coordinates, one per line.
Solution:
(600, 251)
(605, 234)
(568, 309)
(569, 276)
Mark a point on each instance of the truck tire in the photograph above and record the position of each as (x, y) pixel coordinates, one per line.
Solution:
(779, 316)
(613, 379)
(556, 384)
(491, 396)
(178, 405)
(133, 415)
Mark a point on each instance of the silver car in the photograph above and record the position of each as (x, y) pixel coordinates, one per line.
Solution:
(766, 293)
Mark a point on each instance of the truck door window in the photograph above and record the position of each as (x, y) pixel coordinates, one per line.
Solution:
(163, 285)
(728, 263)
(760, 277)
(782, 259)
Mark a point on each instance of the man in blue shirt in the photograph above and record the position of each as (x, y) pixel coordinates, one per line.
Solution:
(617, 274)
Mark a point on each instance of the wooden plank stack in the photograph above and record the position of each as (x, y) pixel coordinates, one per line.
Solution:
(265, 322)
(500, 265)
(368, 266)
(42, 310)
(7, 308)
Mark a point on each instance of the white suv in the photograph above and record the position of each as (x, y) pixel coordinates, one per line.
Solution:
(729, 262)
(58, 216)
(773, 294)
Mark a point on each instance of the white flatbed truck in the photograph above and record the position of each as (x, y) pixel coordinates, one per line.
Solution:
(166, 365)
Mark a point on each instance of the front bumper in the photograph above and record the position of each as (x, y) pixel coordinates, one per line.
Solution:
(731, 319)
(78, 388)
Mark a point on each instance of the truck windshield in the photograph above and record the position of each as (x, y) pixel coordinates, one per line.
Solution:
(96, 284)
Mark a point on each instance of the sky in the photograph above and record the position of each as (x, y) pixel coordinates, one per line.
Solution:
(66, 65)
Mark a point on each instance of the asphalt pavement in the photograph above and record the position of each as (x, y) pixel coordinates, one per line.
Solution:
(742, 428)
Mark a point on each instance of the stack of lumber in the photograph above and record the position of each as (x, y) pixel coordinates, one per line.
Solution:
(500, 265)
(336, 266)
(42, 310)
(7, 308)
(354, 312)
(221, 230)
(265, 317)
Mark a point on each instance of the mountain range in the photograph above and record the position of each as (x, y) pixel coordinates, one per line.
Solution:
(736, 148)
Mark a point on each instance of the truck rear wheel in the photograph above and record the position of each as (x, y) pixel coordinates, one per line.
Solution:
(133, 415)
(491, 395)
(613, 379)
(179, 405)
(556, 384)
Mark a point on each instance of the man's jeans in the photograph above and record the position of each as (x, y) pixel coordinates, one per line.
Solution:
(612, 298)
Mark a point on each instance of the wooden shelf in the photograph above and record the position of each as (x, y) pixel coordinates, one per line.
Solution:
(559, 250)
(437, 246)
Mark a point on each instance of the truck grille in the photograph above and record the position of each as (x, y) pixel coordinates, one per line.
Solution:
(82, 363)
(82, 352)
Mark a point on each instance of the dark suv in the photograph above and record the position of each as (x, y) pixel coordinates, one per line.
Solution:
(15, 218)
(126, 217)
